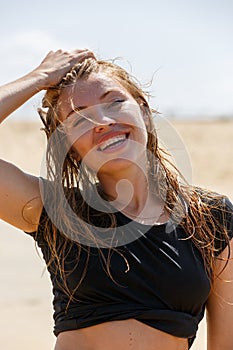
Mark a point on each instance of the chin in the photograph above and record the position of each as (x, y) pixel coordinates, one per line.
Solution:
(116, 166)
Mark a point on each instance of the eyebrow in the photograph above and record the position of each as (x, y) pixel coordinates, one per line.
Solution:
(79, 108)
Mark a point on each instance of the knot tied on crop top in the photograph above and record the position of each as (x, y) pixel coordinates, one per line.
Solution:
(166, 285)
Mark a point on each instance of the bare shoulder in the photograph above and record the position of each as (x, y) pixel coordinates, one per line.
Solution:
(20, 198)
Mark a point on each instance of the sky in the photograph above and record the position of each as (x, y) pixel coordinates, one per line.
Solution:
(184, 48)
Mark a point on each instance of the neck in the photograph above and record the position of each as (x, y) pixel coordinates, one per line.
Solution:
(126, 192)
(130, 192)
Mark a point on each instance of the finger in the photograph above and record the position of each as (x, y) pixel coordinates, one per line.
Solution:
(80, 50)
(85, 52)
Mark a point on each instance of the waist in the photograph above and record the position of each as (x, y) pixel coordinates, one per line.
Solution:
(175, 323)
(125, 334)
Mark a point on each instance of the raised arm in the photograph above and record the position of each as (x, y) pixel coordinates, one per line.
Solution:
(20, 200)
(47, 74)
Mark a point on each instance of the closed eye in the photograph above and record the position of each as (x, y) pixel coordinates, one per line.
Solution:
(78, 121)
(116, 102)
(81, 115)
(75, 119)
(119, 100)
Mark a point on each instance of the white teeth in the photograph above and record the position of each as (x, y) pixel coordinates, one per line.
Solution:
(112, 141)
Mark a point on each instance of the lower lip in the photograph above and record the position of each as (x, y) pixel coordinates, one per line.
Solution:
(116, 147)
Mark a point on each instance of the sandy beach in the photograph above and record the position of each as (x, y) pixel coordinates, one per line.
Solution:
(25, 295)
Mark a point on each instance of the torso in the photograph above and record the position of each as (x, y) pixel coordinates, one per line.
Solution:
(128, 335)
(164, 288)
(154, 317)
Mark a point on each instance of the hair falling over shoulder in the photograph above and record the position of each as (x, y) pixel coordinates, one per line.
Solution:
(201, 213)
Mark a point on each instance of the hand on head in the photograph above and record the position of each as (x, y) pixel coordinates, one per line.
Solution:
(57, 63)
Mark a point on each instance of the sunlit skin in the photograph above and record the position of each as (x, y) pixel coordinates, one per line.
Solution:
(119, 335)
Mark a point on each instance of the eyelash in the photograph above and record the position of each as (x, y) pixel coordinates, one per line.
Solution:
(79, 121)
(118, 100)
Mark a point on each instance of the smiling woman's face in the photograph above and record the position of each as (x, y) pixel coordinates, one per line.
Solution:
(104, 124)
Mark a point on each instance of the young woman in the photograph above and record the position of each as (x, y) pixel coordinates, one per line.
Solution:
(135, 255)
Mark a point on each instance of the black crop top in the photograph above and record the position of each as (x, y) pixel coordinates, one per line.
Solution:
(165, 287)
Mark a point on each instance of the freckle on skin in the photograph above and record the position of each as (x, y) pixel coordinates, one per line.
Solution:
(130, 339)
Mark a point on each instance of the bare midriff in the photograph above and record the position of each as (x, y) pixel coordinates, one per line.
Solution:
(119, 335)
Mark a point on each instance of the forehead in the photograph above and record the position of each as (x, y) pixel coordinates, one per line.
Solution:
(87, 91)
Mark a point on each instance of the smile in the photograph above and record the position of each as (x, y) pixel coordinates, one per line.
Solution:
(113, 142)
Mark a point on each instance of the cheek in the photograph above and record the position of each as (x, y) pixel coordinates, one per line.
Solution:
(134, 117)
(86, 153)
(141, 135)
(79, 140)
(145, 139)
(82, 146)
(78, 134)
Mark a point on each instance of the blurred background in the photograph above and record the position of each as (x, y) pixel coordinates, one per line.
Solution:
(184, 48)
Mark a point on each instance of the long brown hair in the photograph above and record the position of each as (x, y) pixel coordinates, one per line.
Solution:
(191, 207)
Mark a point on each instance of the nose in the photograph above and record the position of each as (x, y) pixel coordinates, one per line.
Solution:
(103, 127)
(102, 121)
